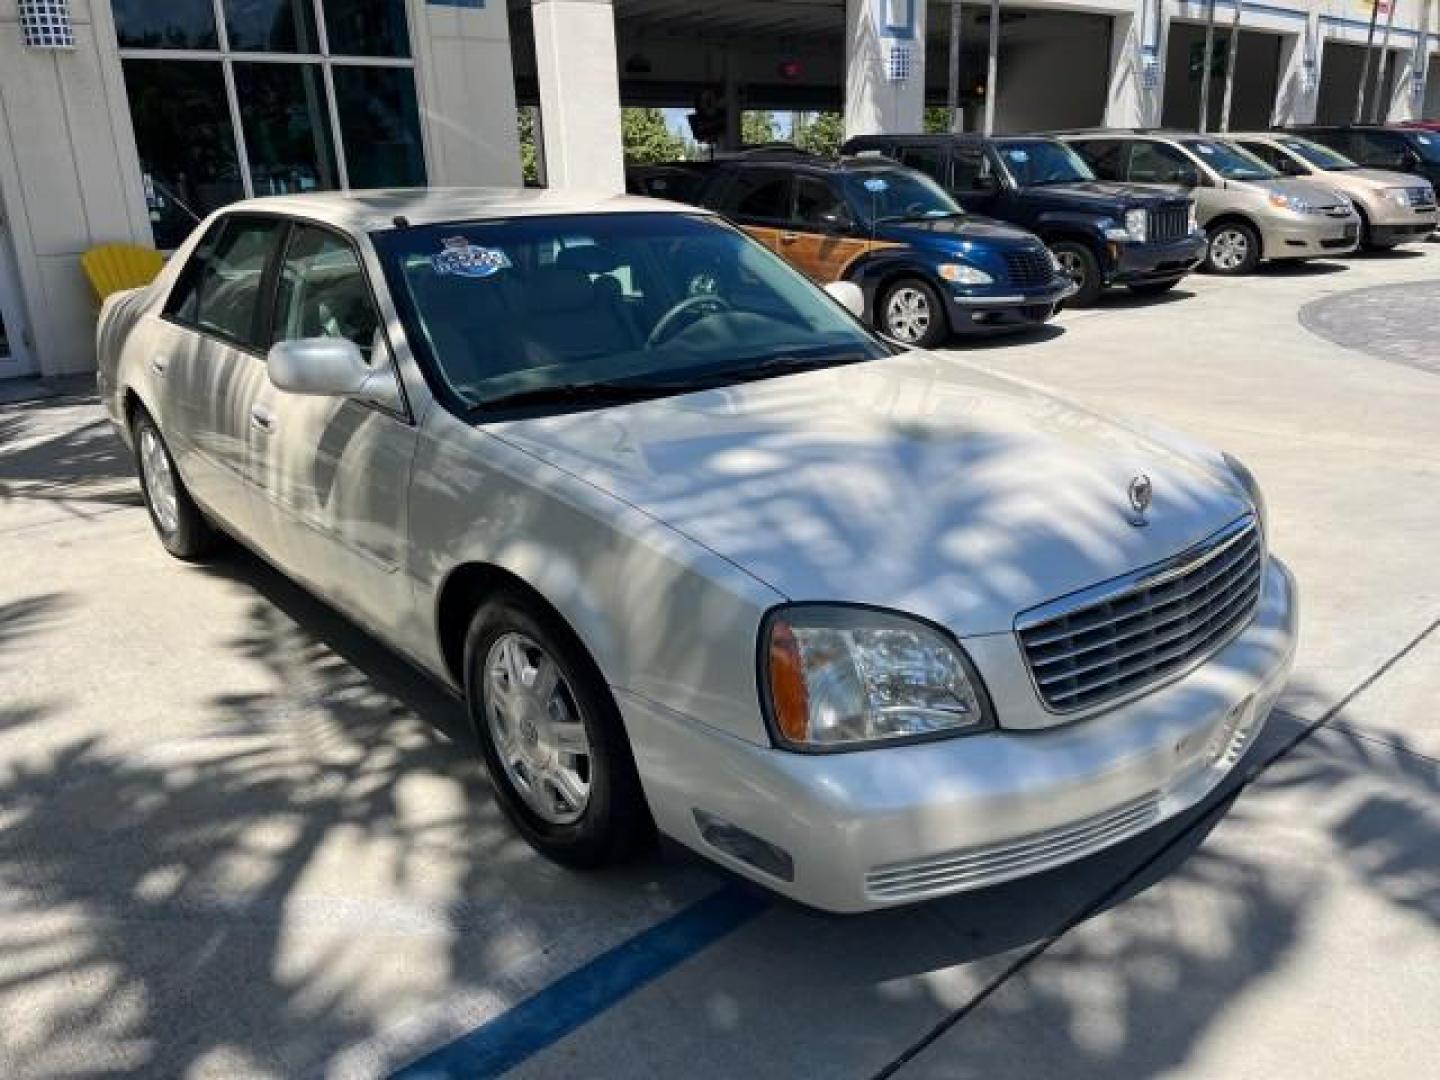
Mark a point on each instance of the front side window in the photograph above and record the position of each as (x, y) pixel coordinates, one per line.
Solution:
(1037, 162)
(1156, 163)
(219, 291)
(1106, 157)
(1229, 160)
(604, 308)
(930, 160)
(878, 195)
(322, 292)
(972, 171)
(817, 204)
(758, 195)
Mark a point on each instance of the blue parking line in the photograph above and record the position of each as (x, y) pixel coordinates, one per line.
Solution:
(585, 993)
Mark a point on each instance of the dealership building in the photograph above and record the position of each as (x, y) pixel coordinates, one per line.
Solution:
(127, 120)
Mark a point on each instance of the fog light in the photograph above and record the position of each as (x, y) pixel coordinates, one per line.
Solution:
(745, 846)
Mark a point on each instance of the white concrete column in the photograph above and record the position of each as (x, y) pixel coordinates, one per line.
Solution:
(1125, 95)
(579, 93)
(466, 85)
(882, 37)
(1297, 92)
(1401, 106)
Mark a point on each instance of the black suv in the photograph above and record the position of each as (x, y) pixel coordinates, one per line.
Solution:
(1102, 233)
(926, 267)
(1399, 149)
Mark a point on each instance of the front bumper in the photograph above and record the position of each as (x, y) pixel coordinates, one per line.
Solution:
(877, 828)
(1136, 264)
(1004, 306)
(1309, 236)
(1400, 228)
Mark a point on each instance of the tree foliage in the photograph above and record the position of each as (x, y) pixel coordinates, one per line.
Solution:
(937, 120)
(525, 122)
(821, 133)
(647, 138)
(756, 128)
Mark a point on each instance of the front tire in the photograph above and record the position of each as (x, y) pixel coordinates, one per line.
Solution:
(552, 736)
(1082, 267)
(910, 311)
(181, 527)
(1233, 249)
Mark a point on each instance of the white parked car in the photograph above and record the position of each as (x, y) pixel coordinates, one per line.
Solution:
(866, 625)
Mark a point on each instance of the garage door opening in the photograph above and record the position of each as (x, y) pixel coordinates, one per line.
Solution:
(1054, 67)
(1257, 77)
(1340, 67)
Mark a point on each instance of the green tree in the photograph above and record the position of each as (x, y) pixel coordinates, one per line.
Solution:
(937, 120)
(647, 138)
(821, 133)
(529, 167)
(756, 128)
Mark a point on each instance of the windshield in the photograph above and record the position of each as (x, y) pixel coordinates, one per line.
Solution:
(1427, 146)
(1229, 160)
(1036, 162)
(896, 195)
(540, 308)
(1322, 157)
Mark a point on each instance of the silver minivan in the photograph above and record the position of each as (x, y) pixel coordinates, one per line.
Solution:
(1249, 211)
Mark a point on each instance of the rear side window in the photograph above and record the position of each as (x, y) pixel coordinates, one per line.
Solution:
(931, 160)
(758, 194)
(220, 289)
(818, 204)
(1106, 157)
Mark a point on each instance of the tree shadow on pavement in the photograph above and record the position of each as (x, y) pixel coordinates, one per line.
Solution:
(51, 461)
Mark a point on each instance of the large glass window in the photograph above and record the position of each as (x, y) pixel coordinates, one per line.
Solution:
(172, 24)
(187, 146)
(271, 26)
(380, 124)
(247, 109)
(287, 127)
(367, 27)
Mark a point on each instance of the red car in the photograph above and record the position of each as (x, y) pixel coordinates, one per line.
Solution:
(1426, 125)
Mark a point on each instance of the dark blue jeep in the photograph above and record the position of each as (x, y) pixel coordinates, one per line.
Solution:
(1102, 233)
(927, 267)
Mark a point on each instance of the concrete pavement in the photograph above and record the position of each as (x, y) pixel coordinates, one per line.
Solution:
(238, 838)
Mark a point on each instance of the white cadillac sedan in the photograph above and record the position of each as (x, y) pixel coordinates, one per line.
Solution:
(703, 554)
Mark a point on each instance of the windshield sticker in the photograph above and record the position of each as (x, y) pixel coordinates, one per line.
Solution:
(464, 259)
(1020, 156)
(1423, 140)
(1205, 148)
(876, 185)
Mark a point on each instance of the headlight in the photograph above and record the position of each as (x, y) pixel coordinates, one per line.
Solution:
(1194, 218)
(1398, 195)
(1281, 201)
(1246, 480)
(964, 274)
(837, 677)
(1137, 225)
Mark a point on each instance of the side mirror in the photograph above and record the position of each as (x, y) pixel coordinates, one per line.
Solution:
(850, 296)
(328, 367)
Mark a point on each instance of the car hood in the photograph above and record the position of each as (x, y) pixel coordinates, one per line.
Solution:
(1381, 177)
(971, 228)
(1100, 195)
(911, 482)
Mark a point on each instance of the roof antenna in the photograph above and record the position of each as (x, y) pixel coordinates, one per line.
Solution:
(400, 221)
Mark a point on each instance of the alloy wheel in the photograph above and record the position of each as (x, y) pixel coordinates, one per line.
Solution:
(1229, 248)
(536, 729)
(907, 314)
(159, 480)
(1071, 265)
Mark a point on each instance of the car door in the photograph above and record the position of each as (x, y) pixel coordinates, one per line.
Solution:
(208, 367)
(821, 241)
(1159, 164)
(333, 472)
(758, 200)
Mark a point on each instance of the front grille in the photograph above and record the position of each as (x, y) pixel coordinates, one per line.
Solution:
(977, 867)
(1169, 223)
(1126, 634)
(1029, 267)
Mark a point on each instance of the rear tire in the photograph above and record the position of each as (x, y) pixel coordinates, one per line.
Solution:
(552, 737)
(911, 312)
(1082, 267)
(1233, 249)
(1154, 288)
(179, 523)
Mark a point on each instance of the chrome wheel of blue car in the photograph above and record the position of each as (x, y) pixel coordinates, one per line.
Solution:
(910, 313)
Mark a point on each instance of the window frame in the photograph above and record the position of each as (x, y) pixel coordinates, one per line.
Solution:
(326, 59)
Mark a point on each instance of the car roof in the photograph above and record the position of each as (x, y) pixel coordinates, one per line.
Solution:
(845, 163)
(387, 208)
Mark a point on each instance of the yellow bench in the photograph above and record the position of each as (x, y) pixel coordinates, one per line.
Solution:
(113, 267)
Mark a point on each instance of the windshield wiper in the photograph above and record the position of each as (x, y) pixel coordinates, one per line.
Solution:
(929, 215)
(604, 392)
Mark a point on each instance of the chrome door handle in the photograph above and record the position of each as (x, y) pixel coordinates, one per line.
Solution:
(262, 419)
(158, 364)
(789, 237)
